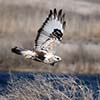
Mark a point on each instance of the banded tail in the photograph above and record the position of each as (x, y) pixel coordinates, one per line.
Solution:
(26, 53)
(17, 50)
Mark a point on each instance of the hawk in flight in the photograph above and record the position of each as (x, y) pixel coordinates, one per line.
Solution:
(48, 38)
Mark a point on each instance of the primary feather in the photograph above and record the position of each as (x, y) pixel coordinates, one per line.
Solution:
(53, 27)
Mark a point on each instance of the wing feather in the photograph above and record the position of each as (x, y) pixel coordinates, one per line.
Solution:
(51, 30)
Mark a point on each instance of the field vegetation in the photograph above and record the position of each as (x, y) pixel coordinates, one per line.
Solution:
(48, 87)
(20, 20)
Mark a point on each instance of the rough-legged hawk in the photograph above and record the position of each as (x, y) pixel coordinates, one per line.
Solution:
(49, 35)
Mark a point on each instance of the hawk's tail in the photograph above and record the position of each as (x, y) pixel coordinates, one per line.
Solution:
(29, 54)
(17, 50)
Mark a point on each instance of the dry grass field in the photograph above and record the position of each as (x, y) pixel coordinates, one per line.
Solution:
(20, 20)
(54, 87)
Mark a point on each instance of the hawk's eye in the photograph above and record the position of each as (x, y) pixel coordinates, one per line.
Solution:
(57, 58)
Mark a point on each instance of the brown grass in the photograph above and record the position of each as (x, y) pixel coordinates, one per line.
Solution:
(20, 20)
(41, 89)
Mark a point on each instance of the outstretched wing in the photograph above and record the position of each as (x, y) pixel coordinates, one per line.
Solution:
(51, 31)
